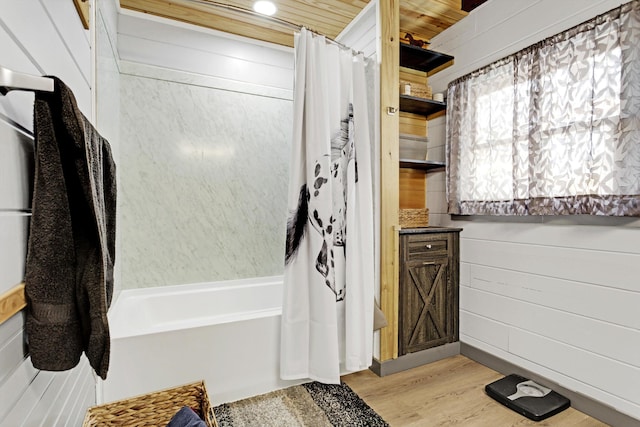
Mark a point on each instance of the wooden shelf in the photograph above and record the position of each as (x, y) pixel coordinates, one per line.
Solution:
(425, 107)
(421, 59)
(11, 302)
(426, 165)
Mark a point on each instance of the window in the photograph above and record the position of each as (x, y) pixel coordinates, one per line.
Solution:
(553, 129)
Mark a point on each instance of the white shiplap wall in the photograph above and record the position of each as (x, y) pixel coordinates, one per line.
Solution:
(557, 296)
(363, 35)
(185, 53)
(36, 37)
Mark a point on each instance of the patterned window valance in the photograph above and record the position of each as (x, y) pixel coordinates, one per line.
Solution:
(553, 129)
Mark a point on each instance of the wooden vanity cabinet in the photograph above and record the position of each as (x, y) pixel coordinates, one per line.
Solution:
(429, 288)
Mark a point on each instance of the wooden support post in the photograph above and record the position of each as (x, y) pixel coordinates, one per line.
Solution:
(389, 170)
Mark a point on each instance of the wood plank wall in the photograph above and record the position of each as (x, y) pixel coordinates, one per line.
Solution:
(29, 396)
(412, 183)
(557, 296)
(413, 124)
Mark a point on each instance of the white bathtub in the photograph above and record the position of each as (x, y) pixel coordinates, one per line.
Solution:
(226, 333)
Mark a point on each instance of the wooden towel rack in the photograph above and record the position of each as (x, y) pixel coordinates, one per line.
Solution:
(11, 302)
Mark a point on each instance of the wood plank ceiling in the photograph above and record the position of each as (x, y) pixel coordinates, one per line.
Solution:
(423, 19)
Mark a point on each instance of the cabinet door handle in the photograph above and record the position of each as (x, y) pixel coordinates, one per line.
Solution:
(427, 246)
(428, 263)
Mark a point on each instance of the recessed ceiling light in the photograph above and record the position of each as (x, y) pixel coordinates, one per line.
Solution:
(265, 7)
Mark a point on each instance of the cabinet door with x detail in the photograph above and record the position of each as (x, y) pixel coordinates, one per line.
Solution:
(428, 297)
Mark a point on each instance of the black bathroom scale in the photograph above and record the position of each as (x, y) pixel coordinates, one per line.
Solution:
(527, 398)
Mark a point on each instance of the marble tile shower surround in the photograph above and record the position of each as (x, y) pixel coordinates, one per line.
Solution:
(204, 174)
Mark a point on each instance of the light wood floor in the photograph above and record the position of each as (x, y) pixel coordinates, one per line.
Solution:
(449, 392)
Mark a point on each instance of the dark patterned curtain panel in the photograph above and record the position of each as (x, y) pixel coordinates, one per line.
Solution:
(553, 129)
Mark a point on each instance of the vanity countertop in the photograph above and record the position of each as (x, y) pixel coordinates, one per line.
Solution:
(430, 229)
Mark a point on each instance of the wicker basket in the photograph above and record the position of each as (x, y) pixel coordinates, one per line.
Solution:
(415, 89)
(413, 218)
(153, 409)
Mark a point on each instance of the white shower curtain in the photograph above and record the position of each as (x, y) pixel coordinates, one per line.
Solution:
(327, 319)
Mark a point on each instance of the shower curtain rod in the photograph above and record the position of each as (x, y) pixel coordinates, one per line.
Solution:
(13, 80)
(280, 21)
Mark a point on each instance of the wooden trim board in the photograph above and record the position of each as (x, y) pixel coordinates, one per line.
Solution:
(11, 302)
(389, 180)
(82, 7)
(413, 360)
